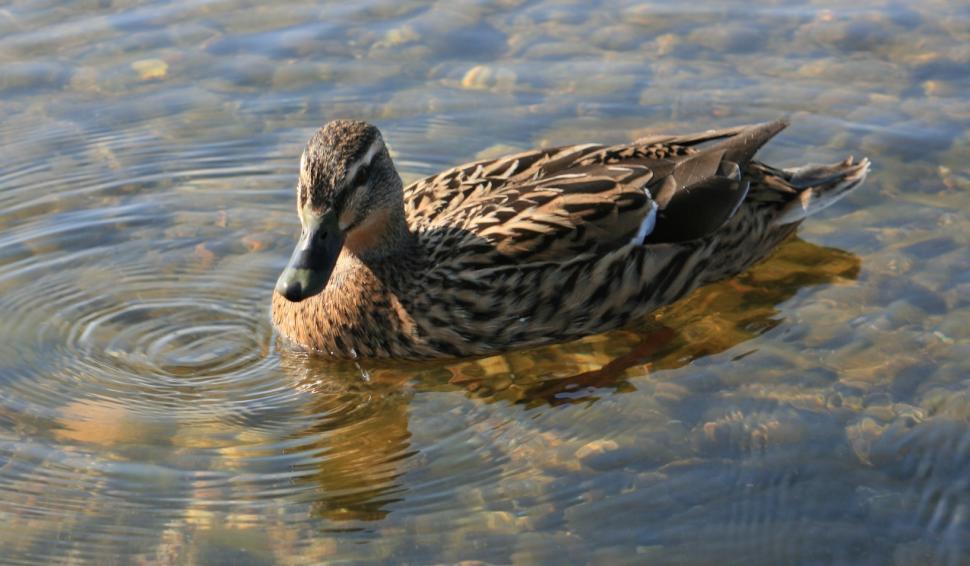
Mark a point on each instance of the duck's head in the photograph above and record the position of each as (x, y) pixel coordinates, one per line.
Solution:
(349, 195)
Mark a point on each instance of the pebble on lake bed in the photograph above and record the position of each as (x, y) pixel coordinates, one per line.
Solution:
(496, 151)
(257, 242)
(596, 447)
(107, 424)
(482, 77)
(862, 435)
(149, 69)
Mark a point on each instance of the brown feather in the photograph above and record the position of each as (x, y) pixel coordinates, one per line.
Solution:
(536, 247)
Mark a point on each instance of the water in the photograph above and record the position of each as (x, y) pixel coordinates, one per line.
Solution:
(815, 409)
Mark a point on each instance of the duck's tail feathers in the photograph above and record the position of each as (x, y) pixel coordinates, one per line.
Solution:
(818, 187)
(705, 189)
(741, 147)
(737, 144)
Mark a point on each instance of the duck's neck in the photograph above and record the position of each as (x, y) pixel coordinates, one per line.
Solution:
(384, 241)
(380, 237)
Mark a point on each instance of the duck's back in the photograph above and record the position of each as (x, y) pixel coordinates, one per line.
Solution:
(549, 205)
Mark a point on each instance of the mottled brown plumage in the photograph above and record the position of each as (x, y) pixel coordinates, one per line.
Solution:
(542, 246)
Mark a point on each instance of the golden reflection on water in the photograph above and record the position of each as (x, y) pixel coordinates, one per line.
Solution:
(360, 432)
(359, 411)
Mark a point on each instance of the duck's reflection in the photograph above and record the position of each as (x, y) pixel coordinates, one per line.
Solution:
(360, 415)
(359, 433)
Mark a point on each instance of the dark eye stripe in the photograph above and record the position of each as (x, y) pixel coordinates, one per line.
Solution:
(349, 190)
(350, 187)
(359, 177)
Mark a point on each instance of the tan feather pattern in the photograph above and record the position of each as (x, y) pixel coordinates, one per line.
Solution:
(536, 247)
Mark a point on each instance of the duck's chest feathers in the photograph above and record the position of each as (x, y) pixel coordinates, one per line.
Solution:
(358, 314)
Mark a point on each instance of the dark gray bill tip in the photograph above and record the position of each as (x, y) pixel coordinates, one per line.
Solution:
(291, 289)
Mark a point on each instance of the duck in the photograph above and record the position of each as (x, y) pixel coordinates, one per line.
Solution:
(543, 246)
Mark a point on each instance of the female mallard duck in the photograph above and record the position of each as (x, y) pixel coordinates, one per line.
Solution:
(541, 246)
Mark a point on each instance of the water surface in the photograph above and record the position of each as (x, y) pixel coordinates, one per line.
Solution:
(815, 409)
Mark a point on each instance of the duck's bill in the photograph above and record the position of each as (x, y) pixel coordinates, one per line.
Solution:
(313, 259)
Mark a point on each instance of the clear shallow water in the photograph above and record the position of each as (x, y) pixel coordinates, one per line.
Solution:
(816, 409)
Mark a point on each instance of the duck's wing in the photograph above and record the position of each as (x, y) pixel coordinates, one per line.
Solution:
(433, 199)
(556, 204)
